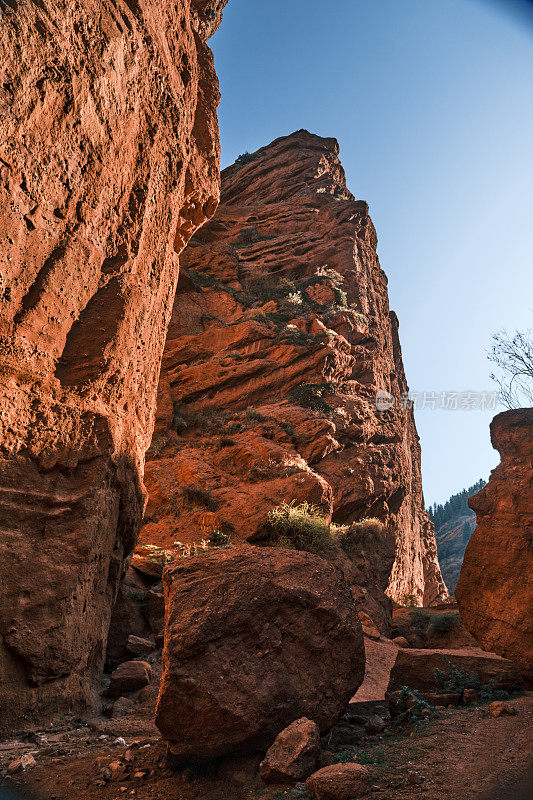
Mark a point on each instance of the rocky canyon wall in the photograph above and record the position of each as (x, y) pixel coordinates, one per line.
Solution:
(495, 591)
(109, 160)
(279, 340)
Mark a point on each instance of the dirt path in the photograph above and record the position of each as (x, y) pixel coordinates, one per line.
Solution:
(463, 755)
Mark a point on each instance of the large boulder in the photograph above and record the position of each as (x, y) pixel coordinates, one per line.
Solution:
(495, 590)
(417, 669)
(255, 638)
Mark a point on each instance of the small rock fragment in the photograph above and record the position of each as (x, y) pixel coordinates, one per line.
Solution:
(116, 768)
(375, 725)
(294, 753)
(400, 641)
(138, 646)
(21, 764)
(128, 677)
(500, 709)
(339, 782)
(469, 696)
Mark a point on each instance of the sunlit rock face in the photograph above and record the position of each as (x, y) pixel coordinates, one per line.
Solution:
(280, 338)
(495, 591)
(108, 163)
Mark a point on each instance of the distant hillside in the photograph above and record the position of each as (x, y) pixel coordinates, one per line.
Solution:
(454, 524)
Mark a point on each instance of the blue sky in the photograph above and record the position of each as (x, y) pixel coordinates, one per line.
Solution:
(432, 104)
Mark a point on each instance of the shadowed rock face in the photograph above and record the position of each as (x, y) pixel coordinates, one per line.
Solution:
(280, 338)
(495, 591)
(108, 163)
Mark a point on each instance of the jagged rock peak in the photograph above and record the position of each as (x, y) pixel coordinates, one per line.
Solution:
(292, 166)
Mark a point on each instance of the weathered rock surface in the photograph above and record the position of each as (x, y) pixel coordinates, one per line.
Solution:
(416, 669)
(280, 338)
(294, 754)
(255, 638)
(495, 590)
(339, 782)
(108, 163)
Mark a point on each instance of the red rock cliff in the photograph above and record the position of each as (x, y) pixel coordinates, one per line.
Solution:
(280, 338)
(108, 163)
(495, 591)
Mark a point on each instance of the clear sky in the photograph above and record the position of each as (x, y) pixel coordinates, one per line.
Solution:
(432, 103)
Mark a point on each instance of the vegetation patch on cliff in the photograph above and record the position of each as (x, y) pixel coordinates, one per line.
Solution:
(353, 539)
(297, 527)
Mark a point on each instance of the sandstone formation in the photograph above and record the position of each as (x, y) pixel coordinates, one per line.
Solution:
(108, 163)
(416, 669)
(255, 638)
(495, 590)
(280, 338)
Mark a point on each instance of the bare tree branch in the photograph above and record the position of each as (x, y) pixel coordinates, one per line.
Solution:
(513, 357)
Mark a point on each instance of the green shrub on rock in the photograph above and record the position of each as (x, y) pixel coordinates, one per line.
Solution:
(353, 539)
(297, 527)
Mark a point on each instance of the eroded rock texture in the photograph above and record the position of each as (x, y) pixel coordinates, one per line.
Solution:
(495, 591)
(280, 338)
(108, 163)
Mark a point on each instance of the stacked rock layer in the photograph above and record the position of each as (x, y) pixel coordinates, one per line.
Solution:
(280, 339)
